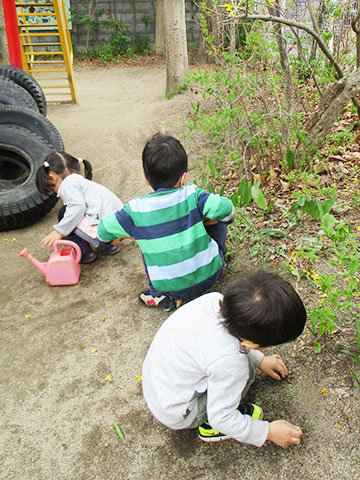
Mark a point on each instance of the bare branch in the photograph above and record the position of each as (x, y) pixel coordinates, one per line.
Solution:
(301, 26)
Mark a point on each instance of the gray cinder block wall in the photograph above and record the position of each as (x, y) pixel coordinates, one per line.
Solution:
(137, 15)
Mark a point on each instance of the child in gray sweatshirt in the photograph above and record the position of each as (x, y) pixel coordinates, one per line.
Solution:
(202, 360)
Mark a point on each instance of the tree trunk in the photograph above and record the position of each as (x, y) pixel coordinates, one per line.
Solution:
(337, 96)
(274, 9)
(201, 54)
(159, 28)
(176, 45)
(3, 39)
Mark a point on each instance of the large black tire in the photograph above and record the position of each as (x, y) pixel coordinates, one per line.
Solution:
(12, 94)
(26, 81)
(34, 121)
(22, 152)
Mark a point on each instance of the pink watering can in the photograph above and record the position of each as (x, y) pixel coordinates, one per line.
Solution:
(63, 266)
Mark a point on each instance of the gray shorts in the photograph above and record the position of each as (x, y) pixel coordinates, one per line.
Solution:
(201, 416)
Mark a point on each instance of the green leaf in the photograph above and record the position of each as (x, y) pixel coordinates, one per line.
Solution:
(290, 159)
(318, 209)
(354, 266)
(328, 221)
(244, 193)
(275, 233)
(212, 167)
(258, 197)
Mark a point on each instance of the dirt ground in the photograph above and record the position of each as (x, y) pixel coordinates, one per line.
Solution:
(59, 344)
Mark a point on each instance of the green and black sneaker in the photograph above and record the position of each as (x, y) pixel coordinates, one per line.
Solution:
(208, 434)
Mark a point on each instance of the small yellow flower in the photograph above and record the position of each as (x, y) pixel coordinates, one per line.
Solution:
(139, 268)
(358, 229)
(324, 390)
(230, 9)
(105, 317)
(108, 378)
(6, 239)
(14, 240)
(94, 351)
(138, 378)
(27, 315)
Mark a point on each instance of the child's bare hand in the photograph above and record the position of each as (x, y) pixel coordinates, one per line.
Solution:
(119, 241)
(49, 240)
(209, 221)
(274, 367)
(284, 433)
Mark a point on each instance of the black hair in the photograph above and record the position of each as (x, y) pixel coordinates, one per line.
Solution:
(264, 308)
(164, 161)
(62, 164)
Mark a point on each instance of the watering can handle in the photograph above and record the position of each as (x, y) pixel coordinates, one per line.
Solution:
(70, 244)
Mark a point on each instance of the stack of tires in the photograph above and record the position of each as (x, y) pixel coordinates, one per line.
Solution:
(26, 139)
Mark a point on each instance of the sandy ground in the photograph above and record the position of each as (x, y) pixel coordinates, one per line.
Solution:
(58, 344)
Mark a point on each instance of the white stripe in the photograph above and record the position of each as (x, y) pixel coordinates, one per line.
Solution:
(169, 272)
(158, 202)
(229, 217)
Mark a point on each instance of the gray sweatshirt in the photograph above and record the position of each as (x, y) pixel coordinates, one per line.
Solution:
(84, 198)
(192, 353)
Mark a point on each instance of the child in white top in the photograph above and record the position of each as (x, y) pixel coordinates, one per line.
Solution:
(202, 360)
(84, 201)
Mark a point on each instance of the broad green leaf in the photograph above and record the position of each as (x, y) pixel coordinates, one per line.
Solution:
(258, 197)
(244, 193)
(328, 221)
(318, 209)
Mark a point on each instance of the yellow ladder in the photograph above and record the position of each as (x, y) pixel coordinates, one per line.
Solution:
(46, 48)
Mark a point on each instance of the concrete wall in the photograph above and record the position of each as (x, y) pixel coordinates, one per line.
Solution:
(137, 15)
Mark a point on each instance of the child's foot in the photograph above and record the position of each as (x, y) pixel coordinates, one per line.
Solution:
(164, 301)
(208, 434)
(88, 257)
(111, 249)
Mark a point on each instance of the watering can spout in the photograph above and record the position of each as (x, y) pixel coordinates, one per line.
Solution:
(40, 266)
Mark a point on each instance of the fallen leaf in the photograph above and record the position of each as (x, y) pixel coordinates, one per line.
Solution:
(94, 351)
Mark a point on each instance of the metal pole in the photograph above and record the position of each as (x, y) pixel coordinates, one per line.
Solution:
(12, 33)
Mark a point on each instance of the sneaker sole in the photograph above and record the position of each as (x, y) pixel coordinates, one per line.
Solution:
(213, 439)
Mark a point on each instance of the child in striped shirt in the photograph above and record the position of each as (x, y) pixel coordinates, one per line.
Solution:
(180, 229)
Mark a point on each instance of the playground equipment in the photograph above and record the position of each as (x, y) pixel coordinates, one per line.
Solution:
(39, 42)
